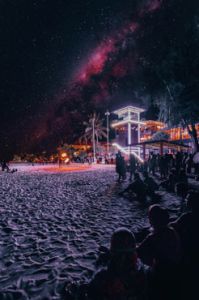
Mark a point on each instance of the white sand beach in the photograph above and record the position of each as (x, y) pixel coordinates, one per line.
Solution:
(52, 224)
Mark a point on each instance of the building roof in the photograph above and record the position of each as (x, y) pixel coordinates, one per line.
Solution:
(170, 144)
(154, 123)
(128, 108)
(123, 122)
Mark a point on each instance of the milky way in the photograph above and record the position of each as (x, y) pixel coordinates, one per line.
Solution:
(111, 47)
(95, 80)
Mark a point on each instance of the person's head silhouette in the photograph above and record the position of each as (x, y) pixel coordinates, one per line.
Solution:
(158, 216)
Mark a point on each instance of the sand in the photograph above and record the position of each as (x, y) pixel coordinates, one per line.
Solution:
(52, 224)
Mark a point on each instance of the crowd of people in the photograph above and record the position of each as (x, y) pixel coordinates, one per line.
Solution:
(171, 171)
(169, 161)
(156, 164)
(163, 263)
(162, 266)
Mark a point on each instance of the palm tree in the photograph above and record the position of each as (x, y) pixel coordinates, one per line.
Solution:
(99, 130)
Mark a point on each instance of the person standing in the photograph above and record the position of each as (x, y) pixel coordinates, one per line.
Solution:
(132, 166)
(120, 166)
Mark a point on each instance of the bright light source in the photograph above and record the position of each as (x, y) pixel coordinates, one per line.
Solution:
(64, 154)
(129, 108)
(128, 152)
(123, 122)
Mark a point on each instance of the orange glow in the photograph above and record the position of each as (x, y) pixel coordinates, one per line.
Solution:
(179, 133)
(175, 134)
(65, 169)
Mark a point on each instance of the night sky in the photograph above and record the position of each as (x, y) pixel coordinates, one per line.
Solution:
(61, 60)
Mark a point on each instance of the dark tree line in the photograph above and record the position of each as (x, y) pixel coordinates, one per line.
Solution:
(169, 58)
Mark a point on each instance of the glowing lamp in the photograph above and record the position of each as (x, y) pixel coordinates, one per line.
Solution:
(64, 154)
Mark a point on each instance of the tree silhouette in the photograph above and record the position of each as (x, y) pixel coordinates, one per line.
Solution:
(99, 129)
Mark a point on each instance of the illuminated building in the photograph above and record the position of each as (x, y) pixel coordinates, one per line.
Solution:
(127, 128)
(149, 128)
(176, 133)
(131, 131)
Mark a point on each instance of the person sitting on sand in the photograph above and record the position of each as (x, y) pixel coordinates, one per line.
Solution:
(125, 275)
(150, 183)
(182, 176)
(161, 251)
(169, 184)
(181, 190)
(187, 226)
(137, 187)
(4, 166)
(178, 182)
(161, 246)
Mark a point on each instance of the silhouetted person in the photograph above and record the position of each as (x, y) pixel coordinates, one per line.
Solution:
(137, 187)
(4, 166)
(184, 159)
(124, 277)
(123, 168)
(162, 167)
(152, 164)
(189, 163)
(168, 163)
(181, 190)
(179, 158)
(187, 226)
(132, 166)
(182, 176)
(169, 184)
(161, 251)
(151, 185)
(181, 186)
(120, 166)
